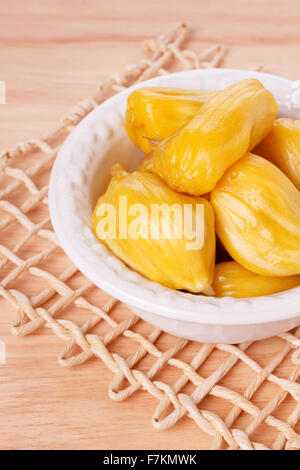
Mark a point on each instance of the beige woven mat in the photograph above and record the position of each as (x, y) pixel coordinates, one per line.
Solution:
(42, 296)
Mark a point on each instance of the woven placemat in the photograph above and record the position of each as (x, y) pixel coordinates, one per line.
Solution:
(42, 296)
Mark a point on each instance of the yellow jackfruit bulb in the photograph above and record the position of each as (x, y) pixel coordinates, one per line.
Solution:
(232, 280)
(257, 211)
(165, 236)
(146, 164)
(232, 122)
(282, 147)
(156, 113)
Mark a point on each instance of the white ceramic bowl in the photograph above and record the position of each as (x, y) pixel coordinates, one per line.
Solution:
(81, 174)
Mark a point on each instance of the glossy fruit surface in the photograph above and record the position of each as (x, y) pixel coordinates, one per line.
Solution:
(158, 247)
(257, 211)
(146, 164)
(156, 113)
(282, 147)
(233, 121)
(232, 280)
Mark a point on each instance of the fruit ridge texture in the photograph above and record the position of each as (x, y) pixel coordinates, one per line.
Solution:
(156, 113)
(257, 210)
(166, 261)
(232, 280)
(282, 147)
(232, 122)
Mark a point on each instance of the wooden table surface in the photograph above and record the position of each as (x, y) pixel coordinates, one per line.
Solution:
(54, 53)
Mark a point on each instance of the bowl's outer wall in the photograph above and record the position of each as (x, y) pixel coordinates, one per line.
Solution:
(206, 333)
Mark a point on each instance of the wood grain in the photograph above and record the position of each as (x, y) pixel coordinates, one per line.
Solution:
(54, 53)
